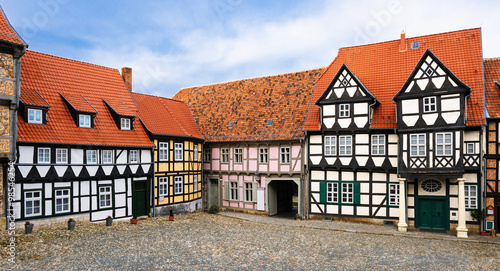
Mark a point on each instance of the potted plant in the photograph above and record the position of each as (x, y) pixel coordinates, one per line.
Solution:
(479, 215)
(71, 224)
(171, 217)
(28, 227)
(134, 220)
(109, 220)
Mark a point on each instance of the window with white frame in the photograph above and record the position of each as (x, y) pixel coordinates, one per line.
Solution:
(470, 196)
(417, 145)
(207, 155)
(344, 110)
(285, 155)
(35, 116)
(178, 185)
(378, 144)
(91, 156)
(61, 156)
(429, 104)
(133, 156)
(32, 203)
(105, 197)
(332, 192)
(233, 190)
(238, 155)
(263, 155)
(330, 145)
(224, 156)
(163, 151)
(163, 186)
(443, 144)
(178, 151)
(125, 123)
(195, 152)
(44, 155)
(84, 121)
(470, 148)
(394, 194)
(195, 183)
(107, 157)
(345, 145)
(62, 200)
(249, 191)
(347, 193)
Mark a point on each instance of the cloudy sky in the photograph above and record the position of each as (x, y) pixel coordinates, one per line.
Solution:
(174, 44)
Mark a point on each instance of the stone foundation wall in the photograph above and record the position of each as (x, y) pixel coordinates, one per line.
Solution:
(179, 208)
(54, 221)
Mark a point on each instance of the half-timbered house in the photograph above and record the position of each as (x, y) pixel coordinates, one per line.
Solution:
(254, 141)
(394, 132)
(177, 154)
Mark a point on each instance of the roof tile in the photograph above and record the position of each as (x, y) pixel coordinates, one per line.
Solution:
(492, 81)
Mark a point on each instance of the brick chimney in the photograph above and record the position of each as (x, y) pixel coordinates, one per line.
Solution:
(402, 44)
(127, 77)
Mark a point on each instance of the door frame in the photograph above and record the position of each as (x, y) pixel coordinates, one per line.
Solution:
(146, 192)
(446, 216)
(209, 189)
(299, 192)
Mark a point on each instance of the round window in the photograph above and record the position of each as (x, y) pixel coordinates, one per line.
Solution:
(431, 185)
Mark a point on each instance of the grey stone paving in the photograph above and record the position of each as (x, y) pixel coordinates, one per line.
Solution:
(216, 242)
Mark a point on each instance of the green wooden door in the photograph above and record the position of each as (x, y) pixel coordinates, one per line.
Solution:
(140, 204)
(432, 213)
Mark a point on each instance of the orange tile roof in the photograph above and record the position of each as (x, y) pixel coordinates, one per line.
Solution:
(492, 74)
(78, 102)
(120, 107)
(383, 70)
(32, 97)
(163, 116)
(249, 104)
(7, 32)
(52, 76)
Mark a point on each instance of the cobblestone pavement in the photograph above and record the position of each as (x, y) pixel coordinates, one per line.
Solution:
(217, 242)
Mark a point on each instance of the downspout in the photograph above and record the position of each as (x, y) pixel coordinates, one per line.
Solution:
(307, 184)
(302, 178)
(152, 190)
(203, 186)
(483, 173)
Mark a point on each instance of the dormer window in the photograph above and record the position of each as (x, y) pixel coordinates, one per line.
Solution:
(125, 123)
(84, 121)
(35, 116)
(429, 104)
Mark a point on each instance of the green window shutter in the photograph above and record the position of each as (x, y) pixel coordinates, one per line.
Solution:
(322, 192)
(254, 192)
(356, 193)
(226, 190)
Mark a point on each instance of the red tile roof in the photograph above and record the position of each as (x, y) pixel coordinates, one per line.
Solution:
(163, 116)
(32, 97)
(492, 74)
(78, 102)
(383, 69)
(249, 104)
(7, 32)
(52, 76)
(120, 107)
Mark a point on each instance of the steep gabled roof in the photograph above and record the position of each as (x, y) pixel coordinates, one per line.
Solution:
(7, 32)
(163, 116)
(383, 69)
(248, 104)
(492, 84)
(85, 85)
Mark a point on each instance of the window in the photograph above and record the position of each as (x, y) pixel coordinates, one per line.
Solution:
(238, 155)
(32, 203)
(394, 194)
(163, 186)
(263, 156)
(44, 155)
(344, 110)
(107, 157)
(91, 156)
(62, 201)
(378, 144)
(104, 196)
(125, 123)
(330, 145)
(178, 151)
(470, 148)
(332, 192)
(231, 124)
(84, 121)
(233, 190)
(207, 155)
(163, 151)
(195, 152)
(224, 156)
(470, 196)
(34, 116)
(285, 155)
(417, 145)
(133, 156)
(415, 45)
(443, 144)
(249, 192)
(195, 183)
(61, 156)
(345, 145)
(431, 185)
(269, 122)
(429, 104)
(178, 185)
(347, 193)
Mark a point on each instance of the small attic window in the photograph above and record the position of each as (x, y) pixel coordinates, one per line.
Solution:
(231, 124)
(415, 45)
(269, 122)
(125, 124)
(35, 116)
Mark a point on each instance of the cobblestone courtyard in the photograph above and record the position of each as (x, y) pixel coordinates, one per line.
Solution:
(201, 242)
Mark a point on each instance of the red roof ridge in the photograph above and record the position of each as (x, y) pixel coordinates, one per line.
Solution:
(73, 60)
(157, 96)
(174, 117)
(14, 35)
(491, 58)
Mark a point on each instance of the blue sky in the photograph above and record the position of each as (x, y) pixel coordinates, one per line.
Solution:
(176, 44)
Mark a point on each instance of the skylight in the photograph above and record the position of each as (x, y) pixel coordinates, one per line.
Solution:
(231, 124)
(269, 122)
(415, 45)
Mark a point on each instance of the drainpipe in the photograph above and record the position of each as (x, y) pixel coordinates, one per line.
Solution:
(306, 183)
(301, 179)
(483, 173)
(203, 181)
(152, 191)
